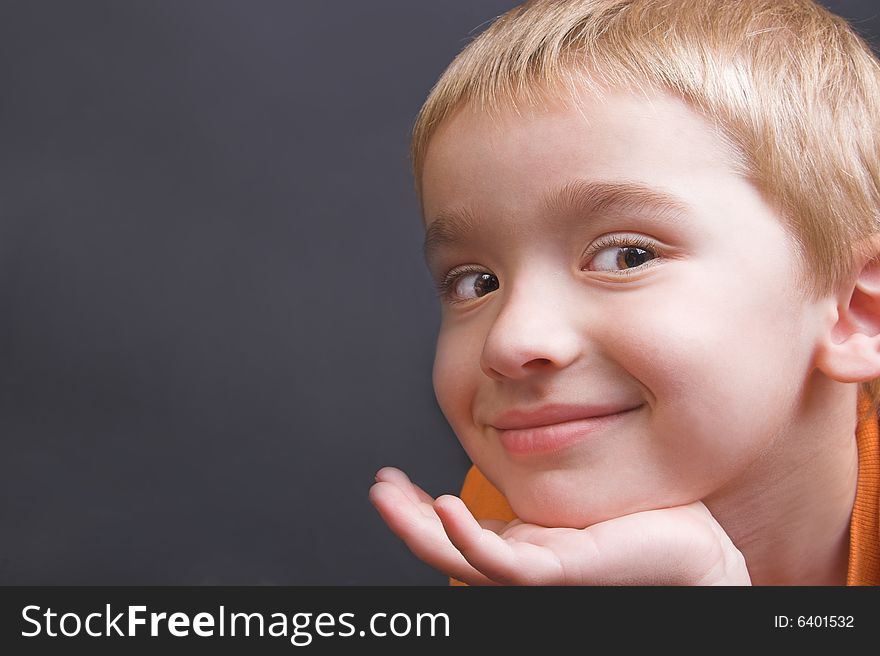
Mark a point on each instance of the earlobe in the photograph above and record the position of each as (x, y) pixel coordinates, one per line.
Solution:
(850, 348)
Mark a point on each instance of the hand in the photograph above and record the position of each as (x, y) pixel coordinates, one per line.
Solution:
(683, 545)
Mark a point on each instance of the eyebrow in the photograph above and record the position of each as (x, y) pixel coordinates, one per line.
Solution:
(589, 198)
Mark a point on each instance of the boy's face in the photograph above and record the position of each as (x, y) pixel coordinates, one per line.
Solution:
(694, 321)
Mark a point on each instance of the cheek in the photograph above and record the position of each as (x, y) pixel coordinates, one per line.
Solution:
(723, 366)
(456, 368)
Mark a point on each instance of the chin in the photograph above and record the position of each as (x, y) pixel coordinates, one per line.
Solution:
(555, 517)
(558, 506)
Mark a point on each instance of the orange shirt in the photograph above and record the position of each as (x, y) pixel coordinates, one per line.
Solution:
(485, 502)
(864, 527)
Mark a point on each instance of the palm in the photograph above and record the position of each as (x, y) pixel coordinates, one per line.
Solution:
(682, 544)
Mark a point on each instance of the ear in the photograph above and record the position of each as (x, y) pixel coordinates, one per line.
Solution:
(849, 351)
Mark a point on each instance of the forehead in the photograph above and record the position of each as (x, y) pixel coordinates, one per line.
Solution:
(513, 159)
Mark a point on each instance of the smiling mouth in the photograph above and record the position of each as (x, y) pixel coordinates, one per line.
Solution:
(551, 438)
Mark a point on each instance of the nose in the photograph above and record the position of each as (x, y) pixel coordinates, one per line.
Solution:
(532, 333)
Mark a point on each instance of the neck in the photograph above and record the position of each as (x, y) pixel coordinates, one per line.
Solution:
(789, 513)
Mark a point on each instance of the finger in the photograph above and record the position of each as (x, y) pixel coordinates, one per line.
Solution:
(501, 560)
(494, 525)
(731, 568)
(423, 535)
(401, 480)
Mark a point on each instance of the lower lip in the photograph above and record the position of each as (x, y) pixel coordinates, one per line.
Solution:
(555, 437)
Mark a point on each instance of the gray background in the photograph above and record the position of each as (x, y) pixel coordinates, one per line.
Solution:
(215, 323)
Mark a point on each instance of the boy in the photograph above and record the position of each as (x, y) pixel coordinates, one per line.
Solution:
(654, 229)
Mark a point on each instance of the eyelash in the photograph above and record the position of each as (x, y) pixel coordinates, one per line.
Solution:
(447, 284)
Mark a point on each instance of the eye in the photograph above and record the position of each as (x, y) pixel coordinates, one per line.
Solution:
(621, 254)
(466, 284)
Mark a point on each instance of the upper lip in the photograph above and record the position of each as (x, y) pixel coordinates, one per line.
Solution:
(517, 419)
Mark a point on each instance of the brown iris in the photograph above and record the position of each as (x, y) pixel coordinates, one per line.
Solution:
(633, 256)
(485, 283)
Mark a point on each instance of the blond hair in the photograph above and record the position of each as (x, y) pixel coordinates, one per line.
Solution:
(791, 87)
